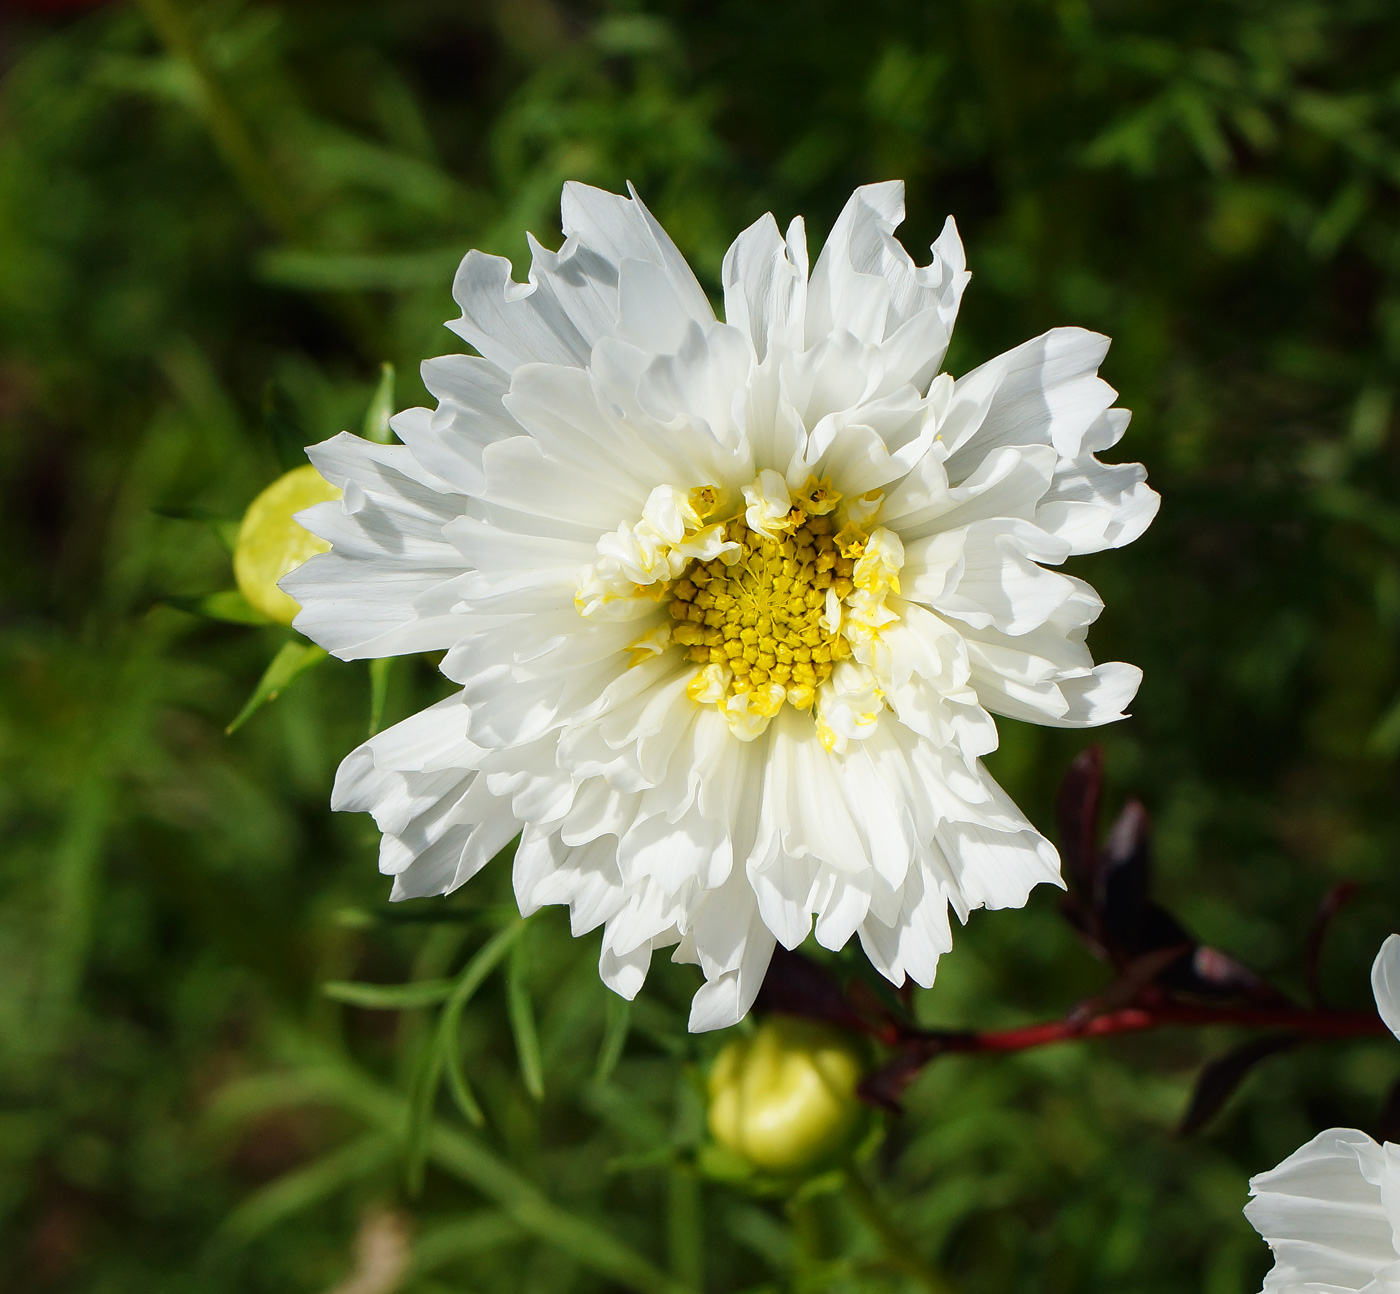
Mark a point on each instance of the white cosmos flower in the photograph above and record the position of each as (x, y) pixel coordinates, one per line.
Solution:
(729, 605)
(1331, 1210)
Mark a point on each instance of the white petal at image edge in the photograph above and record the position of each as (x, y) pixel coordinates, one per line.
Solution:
(1322, 1213)
(1385, 983)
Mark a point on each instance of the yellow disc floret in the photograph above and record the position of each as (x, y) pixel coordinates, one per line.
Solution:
(763, 619)
(270, 544)
(767, 604)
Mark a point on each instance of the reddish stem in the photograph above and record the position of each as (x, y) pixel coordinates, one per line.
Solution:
(1316, 1024)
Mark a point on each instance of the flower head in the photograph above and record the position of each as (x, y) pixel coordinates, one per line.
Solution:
(1331, 1210)
(729, 605)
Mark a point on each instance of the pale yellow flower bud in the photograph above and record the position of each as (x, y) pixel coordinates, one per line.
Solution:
(270, 544)
(784, 1097)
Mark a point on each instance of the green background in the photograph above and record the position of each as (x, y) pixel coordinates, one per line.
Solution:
(218, 219)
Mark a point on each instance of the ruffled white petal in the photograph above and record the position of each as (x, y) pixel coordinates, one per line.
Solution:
(1324, 1213)
(613, 251)
(387, 585)
(440, 824)
(1385, 983)
(866, 284)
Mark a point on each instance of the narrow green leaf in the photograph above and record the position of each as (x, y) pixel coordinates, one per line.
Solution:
(321, 1077)
(381, 408)
(522, 1022)
(684, 1228)
(293, 660)
(379, 671)
(457, 1083)
(423, 1084)
(453, 1240)
(617, 1023)
(76, 880)
(294, 1192)
(224, 529)
(228, 605)
(389, 997)
(1385, 736)
(283, 428)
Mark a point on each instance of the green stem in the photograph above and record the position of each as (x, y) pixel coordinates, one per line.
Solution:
(806, 1244)
(897, 1247)
(260, 184)
(684, 1233)
(231, 136)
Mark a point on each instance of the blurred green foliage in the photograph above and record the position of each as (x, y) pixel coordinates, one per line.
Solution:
(217, 220)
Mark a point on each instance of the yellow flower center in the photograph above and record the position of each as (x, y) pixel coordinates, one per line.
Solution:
(785, 596)
(767, 618)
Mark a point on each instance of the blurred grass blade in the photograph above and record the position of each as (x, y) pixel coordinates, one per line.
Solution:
(336, 1082)
(423, 1084)
(684, 1232)
(454, 1240)
(389, 997)
(314, 271)
(75, 877)
(228, 605)
(282, 428)
(265, 190)
(381, 408)
(379, 672)
(224, 529)
(290, 663)
(617, 1023)
(1385, 737)
(522, 1022)
(302, 1188)
(457, 1083)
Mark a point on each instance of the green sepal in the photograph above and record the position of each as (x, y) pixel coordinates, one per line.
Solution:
(379, 670)
(290, 663)
(390, 997)
(381, 408)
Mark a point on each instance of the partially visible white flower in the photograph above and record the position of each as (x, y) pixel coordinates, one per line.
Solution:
(729, 605)
(1331, 1210)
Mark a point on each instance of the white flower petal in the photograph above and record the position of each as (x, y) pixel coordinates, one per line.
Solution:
(449, 441)
(1000, 584)
(1385, 983)
(513, 323)
(385, 588)
(440, 823)
(1322, 1213)
(765, 284)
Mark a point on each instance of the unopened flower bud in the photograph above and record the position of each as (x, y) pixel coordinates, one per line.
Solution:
(270, 544)
(784, 1097)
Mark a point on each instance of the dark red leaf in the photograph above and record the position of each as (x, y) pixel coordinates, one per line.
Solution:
(1219, 1079)
(1077, 811)
(1135, 976)
(1210, 973)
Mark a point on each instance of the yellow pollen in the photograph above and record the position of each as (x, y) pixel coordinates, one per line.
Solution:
(758, 625)
(817, 498)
